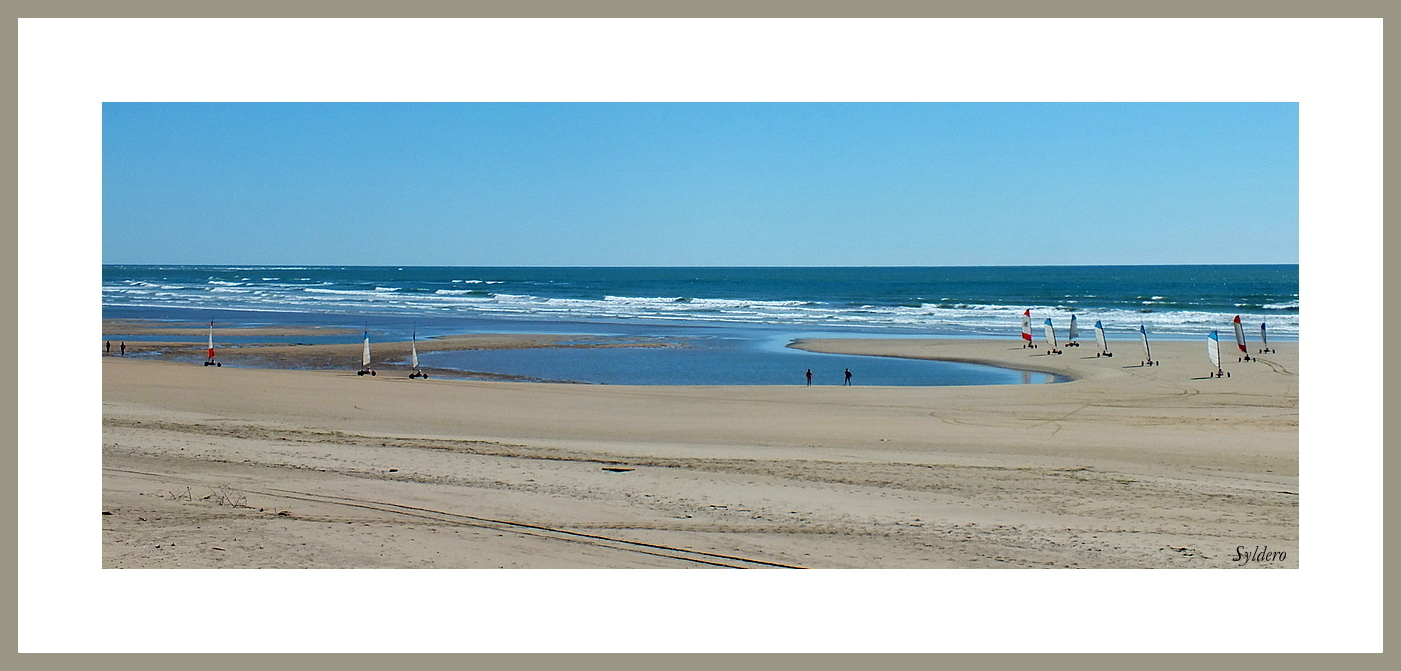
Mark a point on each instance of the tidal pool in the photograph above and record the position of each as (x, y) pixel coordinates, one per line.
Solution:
(723, 362)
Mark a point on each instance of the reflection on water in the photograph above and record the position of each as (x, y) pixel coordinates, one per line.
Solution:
(723, 362)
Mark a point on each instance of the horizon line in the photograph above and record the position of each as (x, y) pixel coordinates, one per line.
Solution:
(410, 265)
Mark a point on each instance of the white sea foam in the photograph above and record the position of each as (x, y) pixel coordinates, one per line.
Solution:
(342, 292)
(266, 268)
(942, 317)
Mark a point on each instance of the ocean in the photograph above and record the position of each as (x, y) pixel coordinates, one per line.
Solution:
(967, 301)
(761, 308)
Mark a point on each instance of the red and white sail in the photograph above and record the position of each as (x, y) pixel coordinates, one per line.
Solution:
(1026, 325)
(211, 341)
(1240, 335)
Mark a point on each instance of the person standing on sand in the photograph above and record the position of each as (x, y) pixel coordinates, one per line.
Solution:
(109, 346)
(123, 348)
(847, 382)
(809, 374)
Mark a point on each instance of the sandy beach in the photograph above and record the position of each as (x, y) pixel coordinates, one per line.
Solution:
(1127, 466)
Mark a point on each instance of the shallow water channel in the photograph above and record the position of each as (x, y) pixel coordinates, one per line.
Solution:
(723, 361)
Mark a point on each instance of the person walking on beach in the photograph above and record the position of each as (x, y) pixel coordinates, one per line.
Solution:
(109, 346)
(809, 374)
(847, 381)
(123, 348)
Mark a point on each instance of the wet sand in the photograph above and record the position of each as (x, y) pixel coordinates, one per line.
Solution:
(391, 356)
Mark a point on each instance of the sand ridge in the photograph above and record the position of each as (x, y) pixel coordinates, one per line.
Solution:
(387, 355)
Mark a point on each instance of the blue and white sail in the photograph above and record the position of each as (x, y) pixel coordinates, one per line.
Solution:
(1099, 337)
(1143, 334)
(365, 357)
(1213, 350)
(1050, 334)
(1263, 341)
(1074, 330)
(414, 351)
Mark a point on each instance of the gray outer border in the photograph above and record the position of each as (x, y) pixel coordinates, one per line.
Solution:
(605, 8)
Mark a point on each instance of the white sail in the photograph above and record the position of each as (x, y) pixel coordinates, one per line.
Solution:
(415, 350)
(1240, 335)
(1263, 341)
(365, 358)
(1143, 333)
(1213, 350)
(1026, 326)
(1050, 334)
(1099, 336)
(1074, 330)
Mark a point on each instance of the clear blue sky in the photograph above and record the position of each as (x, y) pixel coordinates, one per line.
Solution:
(700, 184)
